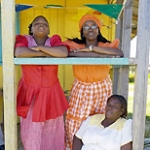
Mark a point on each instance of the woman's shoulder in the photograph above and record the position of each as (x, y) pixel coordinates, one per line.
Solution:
(114, 43)
(23, 37)
(20, 36)
(21, 40)
(128, 122)
(96, 119)
(55, 37)
(122, 123)
(74, 45)
(98, 116)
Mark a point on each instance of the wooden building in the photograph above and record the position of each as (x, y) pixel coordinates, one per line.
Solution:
(127, 28)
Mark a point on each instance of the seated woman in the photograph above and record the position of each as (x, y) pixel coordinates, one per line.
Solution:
(106, 132)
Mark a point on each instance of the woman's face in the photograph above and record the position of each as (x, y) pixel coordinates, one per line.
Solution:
(114, 109)
(40, 27)
(90, 30)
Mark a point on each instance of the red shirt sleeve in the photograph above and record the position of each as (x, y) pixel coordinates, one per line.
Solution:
(21, 41)
(56, 41)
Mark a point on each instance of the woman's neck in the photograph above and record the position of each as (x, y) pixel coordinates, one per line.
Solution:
(40, 40)
(107, 122)
(94, 43)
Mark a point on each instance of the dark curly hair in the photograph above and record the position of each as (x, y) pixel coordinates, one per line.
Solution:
(29, 29)
(100, 38)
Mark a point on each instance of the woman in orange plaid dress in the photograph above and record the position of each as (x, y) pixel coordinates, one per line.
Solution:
(92, 85)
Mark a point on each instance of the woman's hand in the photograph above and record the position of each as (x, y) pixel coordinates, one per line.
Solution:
(85, 50)
(35, 48)
(75, 50)
(127, 146)
(77, 143)
(80, 50)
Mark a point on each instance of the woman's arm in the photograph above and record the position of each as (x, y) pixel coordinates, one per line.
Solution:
(40, 51)
(88, 54)
(28, 52)
(22, 49)
(127, 146)
(127, 134)
(55, 51)
(103, 52)
(77, 143)
(108, 51)
(57, 48)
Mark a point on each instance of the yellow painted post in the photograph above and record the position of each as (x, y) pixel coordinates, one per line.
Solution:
(8, 38)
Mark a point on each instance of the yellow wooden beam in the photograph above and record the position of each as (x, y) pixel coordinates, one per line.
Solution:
(8, 35)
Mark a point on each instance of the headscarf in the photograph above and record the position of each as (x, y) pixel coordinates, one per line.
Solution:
(89, 17)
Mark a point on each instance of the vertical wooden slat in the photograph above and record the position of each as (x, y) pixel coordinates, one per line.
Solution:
(117, 69)
(8, 34)
(126, 33)
(141, 78)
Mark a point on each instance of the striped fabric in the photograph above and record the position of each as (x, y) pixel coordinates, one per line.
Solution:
(85, 99)
(48, 135)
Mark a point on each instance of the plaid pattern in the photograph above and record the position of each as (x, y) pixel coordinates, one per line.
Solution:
(48, 135)
(85, 99)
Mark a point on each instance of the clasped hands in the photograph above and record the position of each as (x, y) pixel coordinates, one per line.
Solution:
(35, 48)
(80, 50)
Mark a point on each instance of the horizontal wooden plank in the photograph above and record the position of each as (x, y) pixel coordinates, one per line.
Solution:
(74, 60)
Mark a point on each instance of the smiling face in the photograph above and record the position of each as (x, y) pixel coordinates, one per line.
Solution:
(90, 30)
(114, 109)
(40, 26)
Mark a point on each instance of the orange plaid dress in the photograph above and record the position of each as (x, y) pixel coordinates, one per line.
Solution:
(89, 93)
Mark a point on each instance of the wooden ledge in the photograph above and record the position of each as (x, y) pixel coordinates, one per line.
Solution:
(74, 60)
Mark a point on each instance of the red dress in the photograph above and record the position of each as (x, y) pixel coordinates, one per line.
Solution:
(40, 83)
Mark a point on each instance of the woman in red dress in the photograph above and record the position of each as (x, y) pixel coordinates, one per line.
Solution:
(40, 99)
